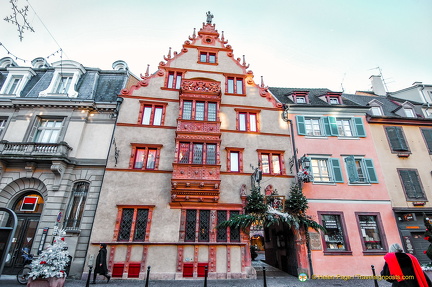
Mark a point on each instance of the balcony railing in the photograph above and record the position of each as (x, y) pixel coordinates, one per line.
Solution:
(32, 149)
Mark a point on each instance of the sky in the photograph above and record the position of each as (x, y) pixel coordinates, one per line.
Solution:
(334, 44)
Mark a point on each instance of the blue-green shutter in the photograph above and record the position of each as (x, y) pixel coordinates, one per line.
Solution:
(301, 129)
(360, 130)
(427, 134)
(370, 170)
(396, 138)
(351, 169)
(333, 126)
(337, 171)
(326, 124)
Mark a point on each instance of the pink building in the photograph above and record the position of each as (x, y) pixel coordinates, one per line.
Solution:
(346, 193)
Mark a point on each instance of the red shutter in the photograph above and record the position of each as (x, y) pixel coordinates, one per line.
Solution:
(188, 270)
(134, 269)
(118, 270)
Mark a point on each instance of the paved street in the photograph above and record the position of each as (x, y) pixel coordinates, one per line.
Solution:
(274, 278)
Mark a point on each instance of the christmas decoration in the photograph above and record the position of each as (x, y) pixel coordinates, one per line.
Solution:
(304, 176)
(19, 18)
(52, 262)
(428, 235)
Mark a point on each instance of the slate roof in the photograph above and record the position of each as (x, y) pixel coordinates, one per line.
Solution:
(314, 96)
(389, 104)
(94, 84)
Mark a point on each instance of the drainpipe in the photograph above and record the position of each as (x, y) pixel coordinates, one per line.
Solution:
(290, 123)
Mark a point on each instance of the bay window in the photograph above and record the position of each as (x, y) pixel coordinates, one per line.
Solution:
(197, 153)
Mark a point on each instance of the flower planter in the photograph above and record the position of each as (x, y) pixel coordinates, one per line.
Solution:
(46, 282)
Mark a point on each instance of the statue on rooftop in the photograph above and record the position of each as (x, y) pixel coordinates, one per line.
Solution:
(209, 17)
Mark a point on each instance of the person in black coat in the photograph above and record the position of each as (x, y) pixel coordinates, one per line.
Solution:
(101, 264)
(403, 269)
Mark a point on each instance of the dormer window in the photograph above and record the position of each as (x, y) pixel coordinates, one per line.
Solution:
(16, 80)
(334, 101)
(13, 85)
(63, 84)
(300, 100)
(376, 111)
(409, 113)
(65, 78)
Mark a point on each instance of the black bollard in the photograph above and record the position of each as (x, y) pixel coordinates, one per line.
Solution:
(148, 275)
(374, 276)
(89, 275)
(264, 275)
(205, 275)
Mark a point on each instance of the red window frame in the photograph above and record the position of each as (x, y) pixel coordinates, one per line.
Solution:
(234, 87)
(133, 226)
(239, 151)
(208, 57)
(194, 109)
(188, 153)
(247, 115)
(174, 79)
(145, 150)
(347, 250)
(151, 107)
(271, 155)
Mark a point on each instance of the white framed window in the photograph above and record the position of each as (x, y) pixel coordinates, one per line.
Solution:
(313, 127)
(46, 130)
(3, 122)
(16, 80)
(409, 113)
(326, 170)
(376, 111)
(344, 127)
(63, 84)
(300, 100)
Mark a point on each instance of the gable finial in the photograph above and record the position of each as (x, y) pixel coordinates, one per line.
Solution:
(262, 82)
(209, 17)
(169, 53)
(147, 73)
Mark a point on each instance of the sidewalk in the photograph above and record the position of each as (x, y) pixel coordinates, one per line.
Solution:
(274, 278)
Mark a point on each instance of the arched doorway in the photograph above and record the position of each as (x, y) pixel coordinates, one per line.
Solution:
(28, 208)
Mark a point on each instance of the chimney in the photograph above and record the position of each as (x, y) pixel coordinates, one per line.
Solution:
(378, 85)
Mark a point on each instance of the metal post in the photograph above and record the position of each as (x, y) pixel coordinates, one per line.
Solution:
(89, 275)
(148, 275)
(374, 276)
(205, 275)
(264, 275)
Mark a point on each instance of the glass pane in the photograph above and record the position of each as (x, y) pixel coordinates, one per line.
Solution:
(370, 232)
(187, 110)
(170, 80)
(184, 153)
(125, 224)
(211, 115)
(242, 122)
(265, 163)
(239, 86)
(359, 169)
(204, 225)
(276, 164)
(212, 58)
(234, 232)
(151, 159)
(211, 154)
(139, 159)
(157, 121)
(320, 170)
(234, 161)
(230, 85)
(190, 225)
(221, 232)
(334, 238)
(203, 57)
(199, 111)
(178, 80)
(141, 225)
(197, 154)
(146, 115)
(252, 123)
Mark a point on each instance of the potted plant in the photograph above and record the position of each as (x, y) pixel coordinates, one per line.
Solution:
(49, 269)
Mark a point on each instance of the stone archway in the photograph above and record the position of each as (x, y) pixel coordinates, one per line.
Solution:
(12, 196)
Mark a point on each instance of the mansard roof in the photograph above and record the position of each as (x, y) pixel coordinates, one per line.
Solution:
(94, 84)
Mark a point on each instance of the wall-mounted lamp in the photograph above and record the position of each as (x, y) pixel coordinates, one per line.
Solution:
(305, 162)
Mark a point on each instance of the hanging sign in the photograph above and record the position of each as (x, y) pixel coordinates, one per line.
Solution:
(29, 203)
